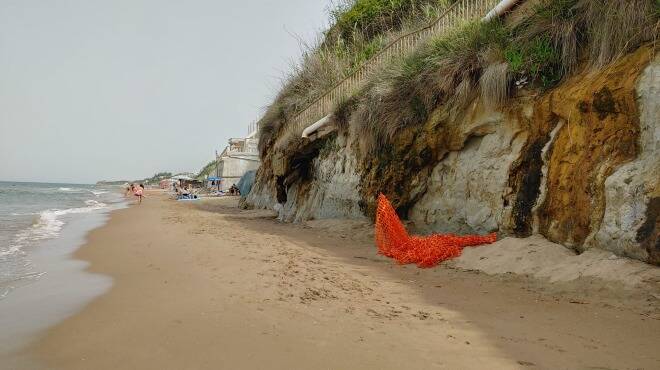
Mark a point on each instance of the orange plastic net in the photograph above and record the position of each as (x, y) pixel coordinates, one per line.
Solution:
(393, 241)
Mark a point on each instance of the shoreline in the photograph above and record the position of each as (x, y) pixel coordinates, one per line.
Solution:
(64, 281)
(208, 286)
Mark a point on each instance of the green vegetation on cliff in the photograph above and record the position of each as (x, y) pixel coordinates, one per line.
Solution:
(362, 28)
(150, 180)
(491, 60)
(370, 18)
(400, 123)
(155, 179)
(208, 170)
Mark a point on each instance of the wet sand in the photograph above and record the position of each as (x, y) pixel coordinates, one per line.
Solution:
(62, 284)
(202, 285)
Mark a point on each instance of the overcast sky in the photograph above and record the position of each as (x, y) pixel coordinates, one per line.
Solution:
(121, 89)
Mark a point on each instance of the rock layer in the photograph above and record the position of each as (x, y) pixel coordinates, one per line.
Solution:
(578, 164)
(632, 198)
(600, 131)
(465, 190)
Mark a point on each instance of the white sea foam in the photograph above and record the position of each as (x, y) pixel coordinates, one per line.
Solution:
(13, 249)
(99, 192)
(72, 190)
(48, 225)
(91, 206)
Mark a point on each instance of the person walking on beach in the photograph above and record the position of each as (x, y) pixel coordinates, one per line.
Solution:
(139, 192)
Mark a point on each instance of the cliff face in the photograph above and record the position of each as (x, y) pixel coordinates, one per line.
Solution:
(465, 190)
(332, 191)
(578, 164)
(631, 196)
(600, 130)
(327, 191)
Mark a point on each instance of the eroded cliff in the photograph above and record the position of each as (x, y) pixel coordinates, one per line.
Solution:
(578, 164)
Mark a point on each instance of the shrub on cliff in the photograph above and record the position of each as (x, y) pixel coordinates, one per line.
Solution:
(353, 39)
(375, 17)
(208, 170)
(485, 59)
(446, 70)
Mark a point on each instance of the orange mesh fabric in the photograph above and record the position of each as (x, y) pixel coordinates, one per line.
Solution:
(393, 241)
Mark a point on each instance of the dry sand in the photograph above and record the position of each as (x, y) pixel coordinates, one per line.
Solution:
(205, 286)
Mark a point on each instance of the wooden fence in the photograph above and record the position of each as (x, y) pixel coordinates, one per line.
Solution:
(460, 12)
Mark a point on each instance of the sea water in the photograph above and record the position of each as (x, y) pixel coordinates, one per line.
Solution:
(41, 226)
(32, 213)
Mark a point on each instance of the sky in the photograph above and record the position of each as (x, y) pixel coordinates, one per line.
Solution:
(121, 89)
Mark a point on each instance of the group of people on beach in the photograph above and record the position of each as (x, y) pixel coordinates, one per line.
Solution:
(233, 190)
(137, 190)
(183, 192)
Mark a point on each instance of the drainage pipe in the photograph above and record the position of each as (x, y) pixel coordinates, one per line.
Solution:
(317, 125)
(499, 9)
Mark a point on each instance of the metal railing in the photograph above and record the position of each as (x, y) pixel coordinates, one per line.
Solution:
(460, 12)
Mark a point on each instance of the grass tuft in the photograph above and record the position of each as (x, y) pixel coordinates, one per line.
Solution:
(494, 84)
(444, 71)
(450, 71)
(615, 28)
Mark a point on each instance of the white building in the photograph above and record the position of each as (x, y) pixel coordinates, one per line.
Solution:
(240, 156)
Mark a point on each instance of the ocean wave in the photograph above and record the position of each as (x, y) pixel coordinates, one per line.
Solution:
(91, 206)
(48, 225)
(72, 190)
(99, 192)
(13, 249)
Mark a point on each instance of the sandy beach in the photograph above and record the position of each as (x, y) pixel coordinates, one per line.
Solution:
(203, 285)
(332, 184)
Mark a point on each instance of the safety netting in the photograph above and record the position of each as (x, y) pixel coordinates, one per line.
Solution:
(426, 251)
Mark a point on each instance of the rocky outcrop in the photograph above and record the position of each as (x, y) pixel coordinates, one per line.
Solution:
(465, 190)
(262, 194)
(582, 165)
(632, 197)
(599, 133)
(327, 189)
(578, 164)
(331, 192)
